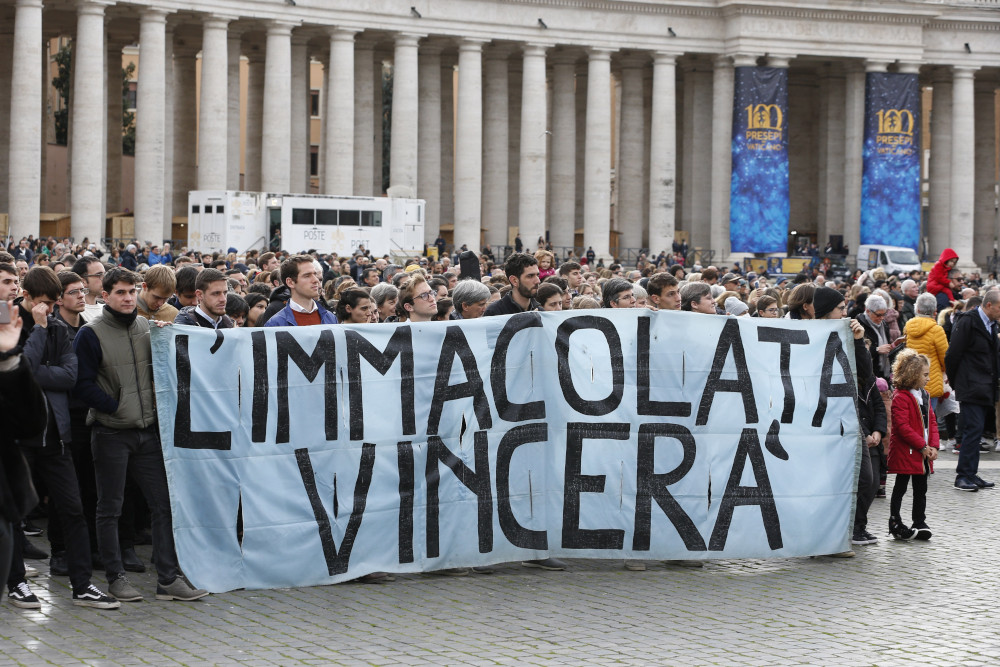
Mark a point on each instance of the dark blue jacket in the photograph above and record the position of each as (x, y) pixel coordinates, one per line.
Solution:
(286, 317)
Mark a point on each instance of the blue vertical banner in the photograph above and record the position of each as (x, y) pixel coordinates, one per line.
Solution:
(758, 204)
(890, 185)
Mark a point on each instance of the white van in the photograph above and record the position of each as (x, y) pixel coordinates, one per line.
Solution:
(890, 258)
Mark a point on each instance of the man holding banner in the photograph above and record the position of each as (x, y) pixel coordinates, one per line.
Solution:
(116, 382)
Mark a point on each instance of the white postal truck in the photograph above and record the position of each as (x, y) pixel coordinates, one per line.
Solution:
(219, 220)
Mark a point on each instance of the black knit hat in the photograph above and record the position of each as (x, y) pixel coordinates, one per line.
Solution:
(825, 300)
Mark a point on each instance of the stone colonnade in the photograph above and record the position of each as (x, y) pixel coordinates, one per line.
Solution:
(525, 136)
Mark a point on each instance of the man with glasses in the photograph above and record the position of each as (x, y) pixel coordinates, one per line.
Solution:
(92, 271)
(882, 349)
(617, 293)
(419, 299)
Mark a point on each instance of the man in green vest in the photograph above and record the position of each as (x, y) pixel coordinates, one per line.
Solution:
(115, 381)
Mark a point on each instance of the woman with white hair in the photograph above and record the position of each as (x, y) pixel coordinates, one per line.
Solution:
(926, 336)
(881, 345)
(470, 298)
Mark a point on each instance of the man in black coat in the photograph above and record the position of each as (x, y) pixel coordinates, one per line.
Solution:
(19, 395)
(973, 366)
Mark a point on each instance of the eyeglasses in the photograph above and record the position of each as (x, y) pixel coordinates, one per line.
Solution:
(625, 297)
(773, 311)
(426, 296)
(878, 314)
(74, 292)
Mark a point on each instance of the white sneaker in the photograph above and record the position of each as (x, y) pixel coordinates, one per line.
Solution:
(996, 445)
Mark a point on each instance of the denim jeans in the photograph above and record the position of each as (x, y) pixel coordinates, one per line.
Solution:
(118, 452)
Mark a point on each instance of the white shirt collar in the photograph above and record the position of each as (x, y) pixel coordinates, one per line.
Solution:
(299, 309)
(206, 316)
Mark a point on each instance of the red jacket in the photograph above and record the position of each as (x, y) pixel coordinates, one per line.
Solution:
(937, 279)
(907, 437)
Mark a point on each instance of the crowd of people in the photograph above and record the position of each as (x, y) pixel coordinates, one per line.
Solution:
(927, 350)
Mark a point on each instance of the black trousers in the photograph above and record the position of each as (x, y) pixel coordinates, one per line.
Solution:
(53, 463)
(867, 487)
(6, 545)
(919, 496)
(118, 452)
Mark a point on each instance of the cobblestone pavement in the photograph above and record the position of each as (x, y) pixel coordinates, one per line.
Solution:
(930, 603)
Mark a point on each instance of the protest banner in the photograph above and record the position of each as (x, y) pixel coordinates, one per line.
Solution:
(416, 447)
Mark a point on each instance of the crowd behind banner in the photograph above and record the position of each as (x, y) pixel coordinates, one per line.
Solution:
(82, 313)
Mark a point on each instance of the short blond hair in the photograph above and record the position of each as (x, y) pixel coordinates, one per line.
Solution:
(160, 275)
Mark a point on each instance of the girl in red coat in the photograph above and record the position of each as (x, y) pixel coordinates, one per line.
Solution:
(937, 279)
(913, 445)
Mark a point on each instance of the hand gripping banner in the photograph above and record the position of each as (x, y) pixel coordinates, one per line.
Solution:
(890, 185)
(406, 448)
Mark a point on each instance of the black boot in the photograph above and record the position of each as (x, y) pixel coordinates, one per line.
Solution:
(899, 530)
(922, 531)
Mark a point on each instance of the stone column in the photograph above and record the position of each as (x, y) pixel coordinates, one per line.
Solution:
(697, 162)
(324, 58)
(429, 142)
(562, 213)
(403, 145)
(854, 134)
(984, 213)
(168, 133)
(150, 127)
(963, 169)
(663, 154)
(298, 177)
(630, 163)
(531, 210)
(469, 145)
(722, 158)
(447, 114)
(597, 156)
(233, 52)
(831, 215)
(377, 153)
(213, 114)
(514, 84)
(275, 166)
(113, 128)
(185, 166)
(25, 154)
(364, 119)
(495, 145)
(6, 62)
(939, 222)
(254, 121)
(581, 136)
(339, 175)
(89, 119)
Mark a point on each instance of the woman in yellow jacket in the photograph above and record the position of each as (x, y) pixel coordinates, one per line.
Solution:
(927, 337)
